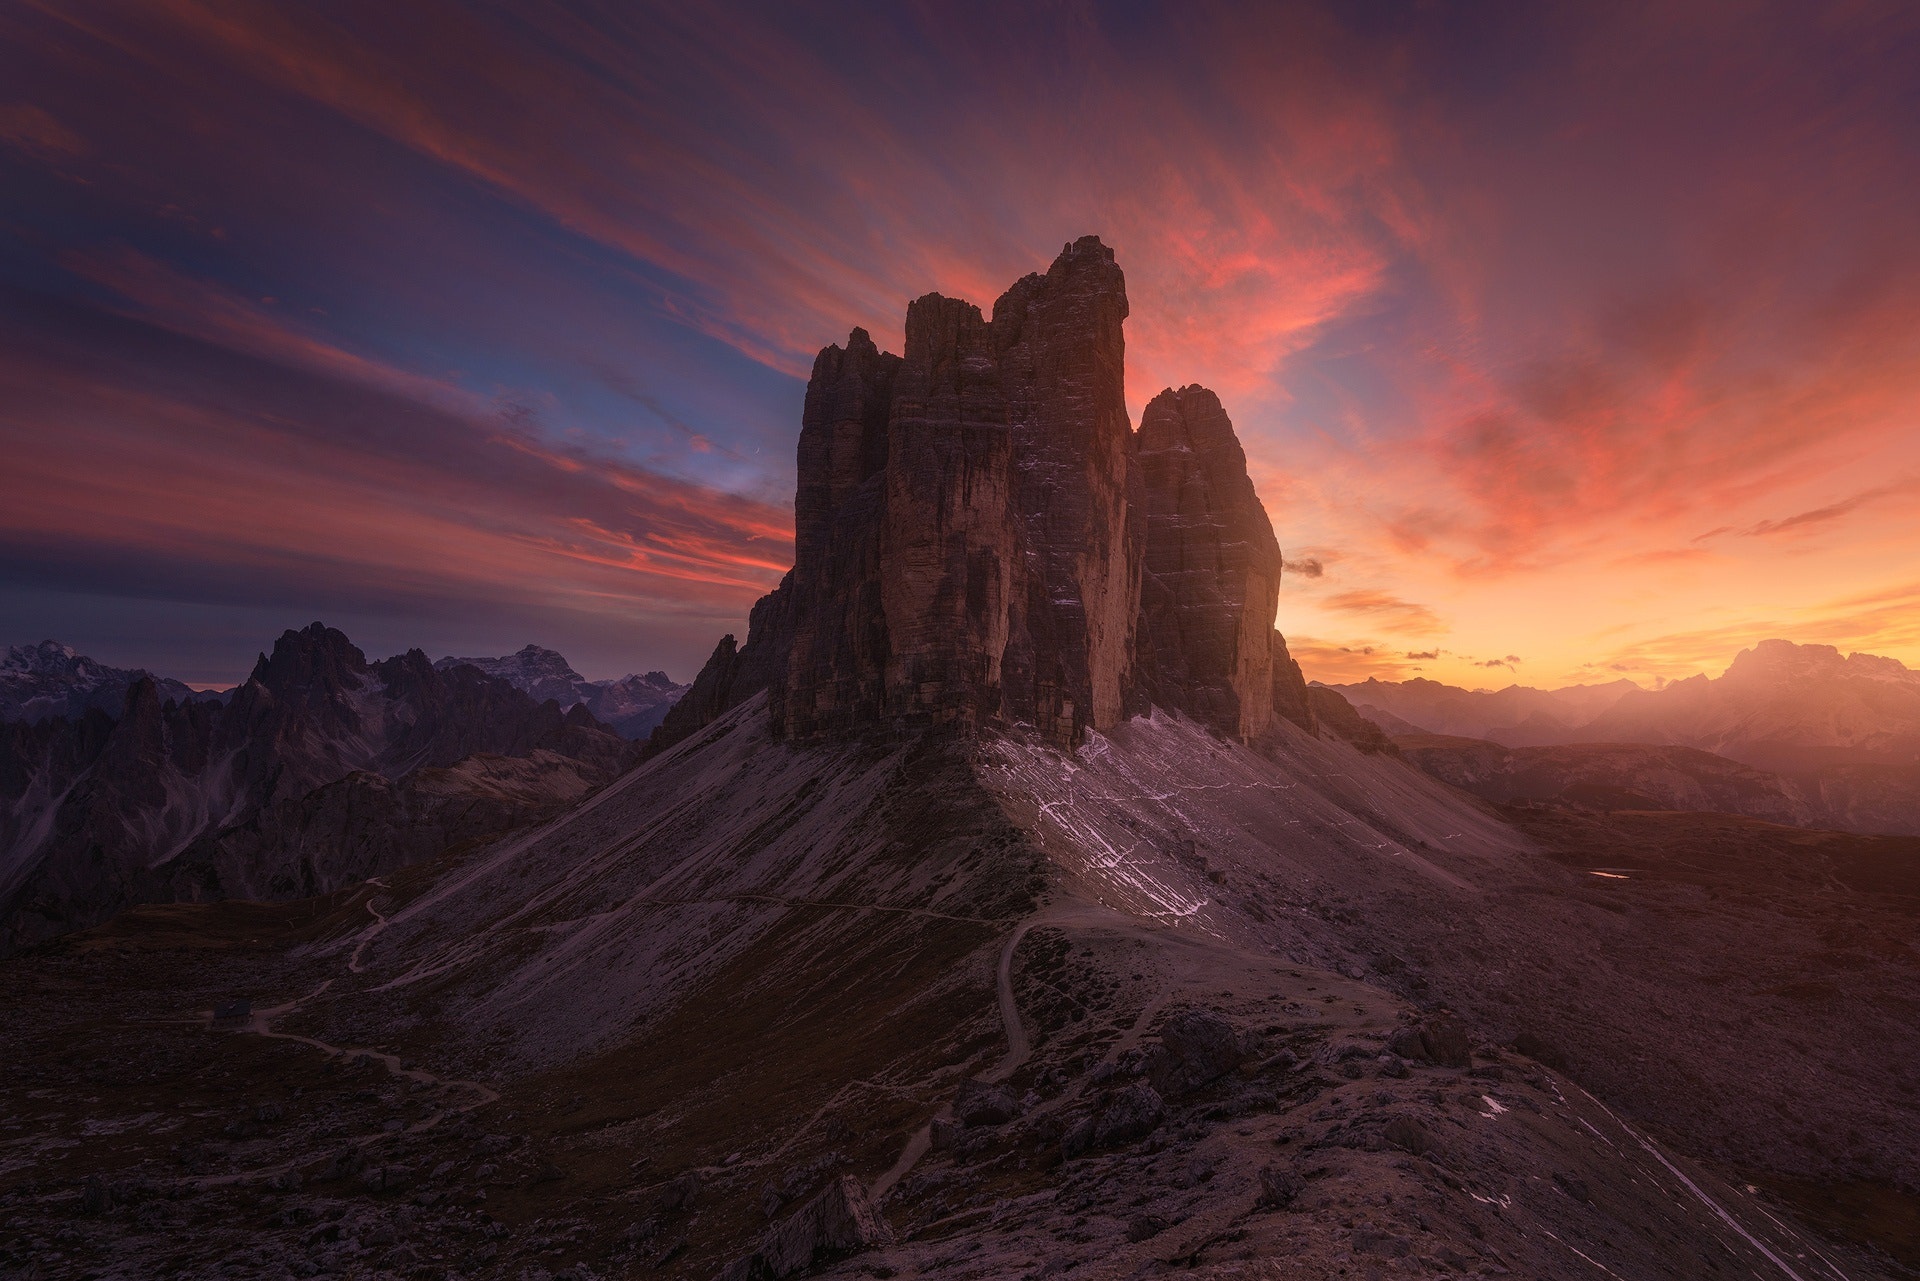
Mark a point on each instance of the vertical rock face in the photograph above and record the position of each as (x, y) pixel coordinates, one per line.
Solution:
(1011, 556)
(832, 675)
(1076, 489)
(979, 535)
(953, 546)
(1212, 569)
(1289, 687)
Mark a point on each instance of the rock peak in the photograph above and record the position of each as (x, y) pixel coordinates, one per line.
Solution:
(1086, 246)
(981, 536)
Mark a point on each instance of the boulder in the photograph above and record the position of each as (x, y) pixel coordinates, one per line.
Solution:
(1407, 1043)
(1407, 1134)
(386, 1178)
(1278, 1188)
(1197, 1047)
(1129, 1114)
(1446, 1042)
(1573, 1186)
(839, 1221)
(981, 1103)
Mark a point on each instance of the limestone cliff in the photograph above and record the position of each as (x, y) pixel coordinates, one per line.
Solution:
(981, 536)
(1212, 571)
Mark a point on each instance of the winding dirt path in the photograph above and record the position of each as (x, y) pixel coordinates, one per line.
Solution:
(1018, 1048)
(372, 931)
(261, 1023)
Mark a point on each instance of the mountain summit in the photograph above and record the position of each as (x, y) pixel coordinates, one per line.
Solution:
(980, 536)
(54, 680)
(633, 704)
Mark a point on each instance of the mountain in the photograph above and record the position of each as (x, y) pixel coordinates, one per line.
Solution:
(633, 705)
(1517, 716)
(50, 679)
(1005, 906)
(980, 537)
(942, 925)
(1781, 706)
(542, 673)
(1837, 737)
(1778, 706)
(101, 812)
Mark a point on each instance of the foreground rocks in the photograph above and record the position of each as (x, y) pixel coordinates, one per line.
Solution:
(839, 1221)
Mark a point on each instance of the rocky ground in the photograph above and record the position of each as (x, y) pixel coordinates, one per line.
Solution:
(1074, 1087)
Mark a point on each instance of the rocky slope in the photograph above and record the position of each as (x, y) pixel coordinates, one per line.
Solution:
(978, 1007)
(1614, 776)
(200, 799)
(1869, 798)
(52, 680)
(632, 705)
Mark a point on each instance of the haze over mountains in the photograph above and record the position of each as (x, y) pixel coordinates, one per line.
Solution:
(1792, 733)
(1777, 706)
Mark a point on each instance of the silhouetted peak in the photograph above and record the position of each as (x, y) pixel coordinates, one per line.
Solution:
(1782, 661)
(143, 699)
(317, 658)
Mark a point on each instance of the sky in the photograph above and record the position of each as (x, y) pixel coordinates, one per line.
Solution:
(1567, 342)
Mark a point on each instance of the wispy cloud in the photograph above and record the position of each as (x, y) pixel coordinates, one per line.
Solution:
(1811, 520)
(1386, 611)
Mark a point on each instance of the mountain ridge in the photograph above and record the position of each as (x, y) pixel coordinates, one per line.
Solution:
(1772, 697)
(54, 680)
(101, 812)
(632, 704)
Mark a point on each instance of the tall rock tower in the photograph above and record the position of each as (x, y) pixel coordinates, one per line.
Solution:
(1212, 569)
(981, 537)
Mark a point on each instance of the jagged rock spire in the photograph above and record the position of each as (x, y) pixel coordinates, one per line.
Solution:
(976, 523)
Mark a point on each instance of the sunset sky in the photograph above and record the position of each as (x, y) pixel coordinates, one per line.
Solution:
(1566, 342)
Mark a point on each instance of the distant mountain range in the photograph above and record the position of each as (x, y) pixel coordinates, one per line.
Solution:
(1517, 716)
(632, 705)
(50, 679)
(320, 770)
(1794, 733)
(1778, 706)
